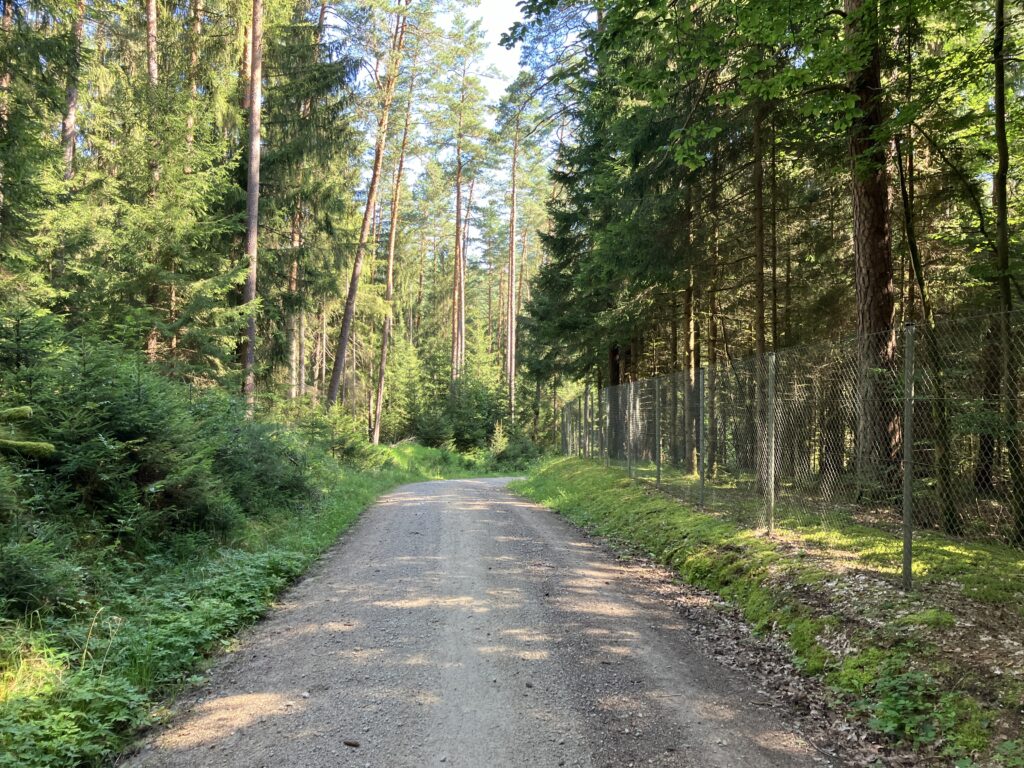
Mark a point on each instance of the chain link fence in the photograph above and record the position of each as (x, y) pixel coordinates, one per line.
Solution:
(918, 429)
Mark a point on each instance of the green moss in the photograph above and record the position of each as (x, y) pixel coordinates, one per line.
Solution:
(930, 617)
(967, 724)
(859, 671)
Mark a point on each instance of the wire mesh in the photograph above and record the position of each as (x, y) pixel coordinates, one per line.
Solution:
(812, 438)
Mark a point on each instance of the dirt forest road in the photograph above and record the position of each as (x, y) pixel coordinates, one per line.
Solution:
(457, 625)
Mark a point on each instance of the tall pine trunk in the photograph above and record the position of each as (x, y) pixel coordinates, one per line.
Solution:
(69, 123)
(389, 287)
(292, 320)
(512, 303)
(152, 81)
(387, 95)
(458, 278)
(252, 203)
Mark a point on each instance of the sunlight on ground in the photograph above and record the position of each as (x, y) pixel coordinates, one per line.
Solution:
(219, 718)
(477, 606)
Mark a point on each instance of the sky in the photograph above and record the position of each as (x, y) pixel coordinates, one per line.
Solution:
(498, 16)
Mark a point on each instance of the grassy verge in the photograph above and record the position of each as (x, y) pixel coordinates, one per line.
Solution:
(75, 685)
(909, 665)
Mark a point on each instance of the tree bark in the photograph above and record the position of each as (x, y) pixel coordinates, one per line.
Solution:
(69, 123)
(193, 78)
(152, 72)
(878, 423)
(687, 333)
(387, 95)
(291, 321)
(152, 81)
(458, 277)
(389, 287)
(512, 303)
(252, 203)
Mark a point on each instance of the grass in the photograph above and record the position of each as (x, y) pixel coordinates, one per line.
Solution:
(901, 680)
(74, 689)
(987, 571)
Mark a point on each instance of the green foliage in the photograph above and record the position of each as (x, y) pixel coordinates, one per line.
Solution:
(82, 723)
(77, 677)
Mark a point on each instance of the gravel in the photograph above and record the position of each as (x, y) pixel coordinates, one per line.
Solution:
(456, 624)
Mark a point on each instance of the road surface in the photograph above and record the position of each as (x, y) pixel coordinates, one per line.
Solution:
(457, 625)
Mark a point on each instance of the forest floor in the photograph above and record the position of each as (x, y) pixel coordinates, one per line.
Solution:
(456, 624)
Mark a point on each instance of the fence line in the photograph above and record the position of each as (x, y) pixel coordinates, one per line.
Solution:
(912, 430)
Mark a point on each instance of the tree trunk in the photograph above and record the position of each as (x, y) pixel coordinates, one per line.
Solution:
(152, 80)
(252, 203)
(673, 429)
(193, 78)
(320, 374)
(458, 278)
(457, 281)
(761, 404)
(878, 423)
(389, 287)
(302, 353)
(521, 279)
(710, 396)
(511, 302)
(69, 124)
(387, 95)
(291, 322)
(687, 333)
(152, 72)
(693, 417)
(6, 22)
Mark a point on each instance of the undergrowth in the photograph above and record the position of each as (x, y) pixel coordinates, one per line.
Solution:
(143, 522)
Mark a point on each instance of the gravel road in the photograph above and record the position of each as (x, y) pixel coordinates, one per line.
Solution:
(457, 625)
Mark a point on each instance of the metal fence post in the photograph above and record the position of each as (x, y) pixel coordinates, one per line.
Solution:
(629, 428)
(908, 455)
(701, 437)
(606, 420)
(581, 404)
(770, 469)
(585, 423)
(657, 432)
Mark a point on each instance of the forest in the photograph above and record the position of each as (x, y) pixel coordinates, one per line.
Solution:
(246, 246)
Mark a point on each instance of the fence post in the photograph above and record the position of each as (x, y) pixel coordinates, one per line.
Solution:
(606, 421)
(657, 432)
(701, 467)
(584, 426)
(629, 428)
(770, 469)
(581, 405)
(908, 455)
